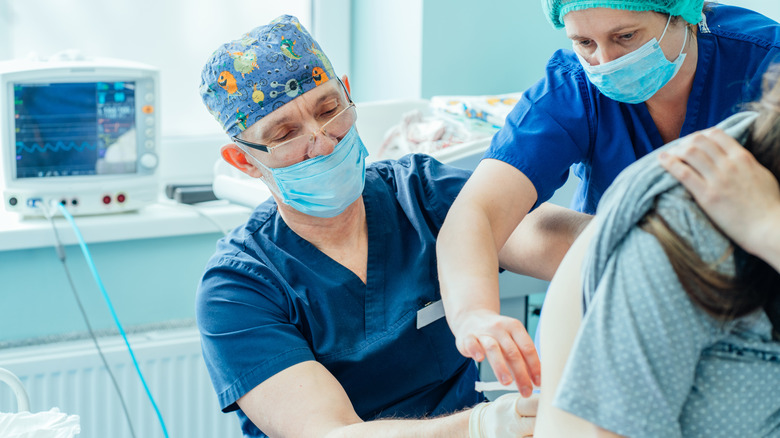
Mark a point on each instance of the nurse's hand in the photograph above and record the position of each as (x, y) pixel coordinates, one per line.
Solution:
(740, 195)
(508, 416)
(481, 334)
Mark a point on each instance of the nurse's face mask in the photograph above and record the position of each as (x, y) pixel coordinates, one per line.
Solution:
(305, 171)
(638, 75)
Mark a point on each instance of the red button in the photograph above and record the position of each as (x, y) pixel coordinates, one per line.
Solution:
(107, 199)
(120, 198)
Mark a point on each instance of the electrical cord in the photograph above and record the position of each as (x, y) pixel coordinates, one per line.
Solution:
(99, 282)
(203, 215)
(61, 255)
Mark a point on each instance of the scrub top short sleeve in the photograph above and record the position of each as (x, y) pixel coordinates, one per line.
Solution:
(541, 139)
(250, 305)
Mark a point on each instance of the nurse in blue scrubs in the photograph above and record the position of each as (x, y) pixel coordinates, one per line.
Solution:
(640, 73)
(323, 311)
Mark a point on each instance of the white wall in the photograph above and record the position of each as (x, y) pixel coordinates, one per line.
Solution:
(770, 8)
(176, 35)
(386, 49)
(332, 28)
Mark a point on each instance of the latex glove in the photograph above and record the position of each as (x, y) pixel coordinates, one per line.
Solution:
(504, 342)
(509, 416)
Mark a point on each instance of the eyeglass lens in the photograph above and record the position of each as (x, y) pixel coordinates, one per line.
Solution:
(296, 148)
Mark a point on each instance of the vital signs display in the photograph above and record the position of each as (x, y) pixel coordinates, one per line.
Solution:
(83, 133)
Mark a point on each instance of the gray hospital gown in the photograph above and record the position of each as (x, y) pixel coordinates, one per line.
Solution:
(647, 362)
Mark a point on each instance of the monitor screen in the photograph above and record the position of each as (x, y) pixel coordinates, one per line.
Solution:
(75, 129)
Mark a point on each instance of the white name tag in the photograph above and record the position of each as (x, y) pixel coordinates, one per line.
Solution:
(429, 314)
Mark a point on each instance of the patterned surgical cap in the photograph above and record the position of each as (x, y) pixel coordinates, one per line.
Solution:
(246, 79)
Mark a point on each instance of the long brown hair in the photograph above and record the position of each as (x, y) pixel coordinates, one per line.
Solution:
(756, 284)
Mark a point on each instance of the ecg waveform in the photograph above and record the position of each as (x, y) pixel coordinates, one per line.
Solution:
(58, 146)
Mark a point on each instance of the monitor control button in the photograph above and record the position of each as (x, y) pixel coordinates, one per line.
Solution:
(149, 161)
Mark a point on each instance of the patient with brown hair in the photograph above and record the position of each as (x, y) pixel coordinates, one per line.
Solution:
(678, 333)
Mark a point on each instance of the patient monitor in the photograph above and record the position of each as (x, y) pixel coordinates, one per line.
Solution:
(82, 132)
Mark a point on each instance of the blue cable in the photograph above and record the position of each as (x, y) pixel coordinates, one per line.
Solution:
(92, 268)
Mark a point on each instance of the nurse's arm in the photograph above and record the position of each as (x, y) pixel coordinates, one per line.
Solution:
(488, 209)
(562, 319)
(306, 401)
(538, 244)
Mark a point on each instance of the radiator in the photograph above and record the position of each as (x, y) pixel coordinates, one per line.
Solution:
(72, 377)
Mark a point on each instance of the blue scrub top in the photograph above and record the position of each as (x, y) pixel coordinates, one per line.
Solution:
(563, 121)
(269, 300)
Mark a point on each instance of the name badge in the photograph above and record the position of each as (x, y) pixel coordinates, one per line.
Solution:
(430, 313)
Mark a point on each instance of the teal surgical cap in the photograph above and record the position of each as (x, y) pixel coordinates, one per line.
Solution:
(689, 10)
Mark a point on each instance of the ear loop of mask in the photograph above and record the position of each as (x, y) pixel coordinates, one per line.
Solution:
(267, 176)
(685, 38)
(668, 20)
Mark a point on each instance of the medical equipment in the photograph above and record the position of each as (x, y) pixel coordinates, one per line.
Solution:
(22, 399)
(494, 386)
(81, 132)
(96, 276)
(235, 186)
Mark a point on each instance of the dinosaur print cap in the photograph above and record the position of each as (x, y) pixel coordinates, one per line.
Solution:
(271, 65)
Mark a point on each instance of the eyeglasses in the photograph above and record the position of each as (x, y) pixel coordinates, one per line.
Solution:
(297, 147)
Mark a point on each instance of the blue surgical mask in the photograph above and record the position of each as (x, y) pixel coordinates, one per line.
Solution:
(324, 186)
(636, 76)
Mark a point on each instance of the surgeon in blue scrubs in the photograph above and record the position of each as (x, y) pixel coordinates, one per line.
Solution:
(322, 312)
(641, 73)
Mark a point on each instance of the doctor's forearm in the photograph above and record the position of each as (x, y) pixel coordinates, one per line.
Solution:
(455, 426)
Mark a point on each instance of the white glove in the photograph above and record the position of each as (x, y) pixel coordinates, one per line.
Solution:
(510, 415)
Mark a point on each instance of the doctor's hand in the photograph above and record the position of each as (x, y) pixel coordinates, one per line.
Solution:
(508, 416)
(481, 334)
(740, 195)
